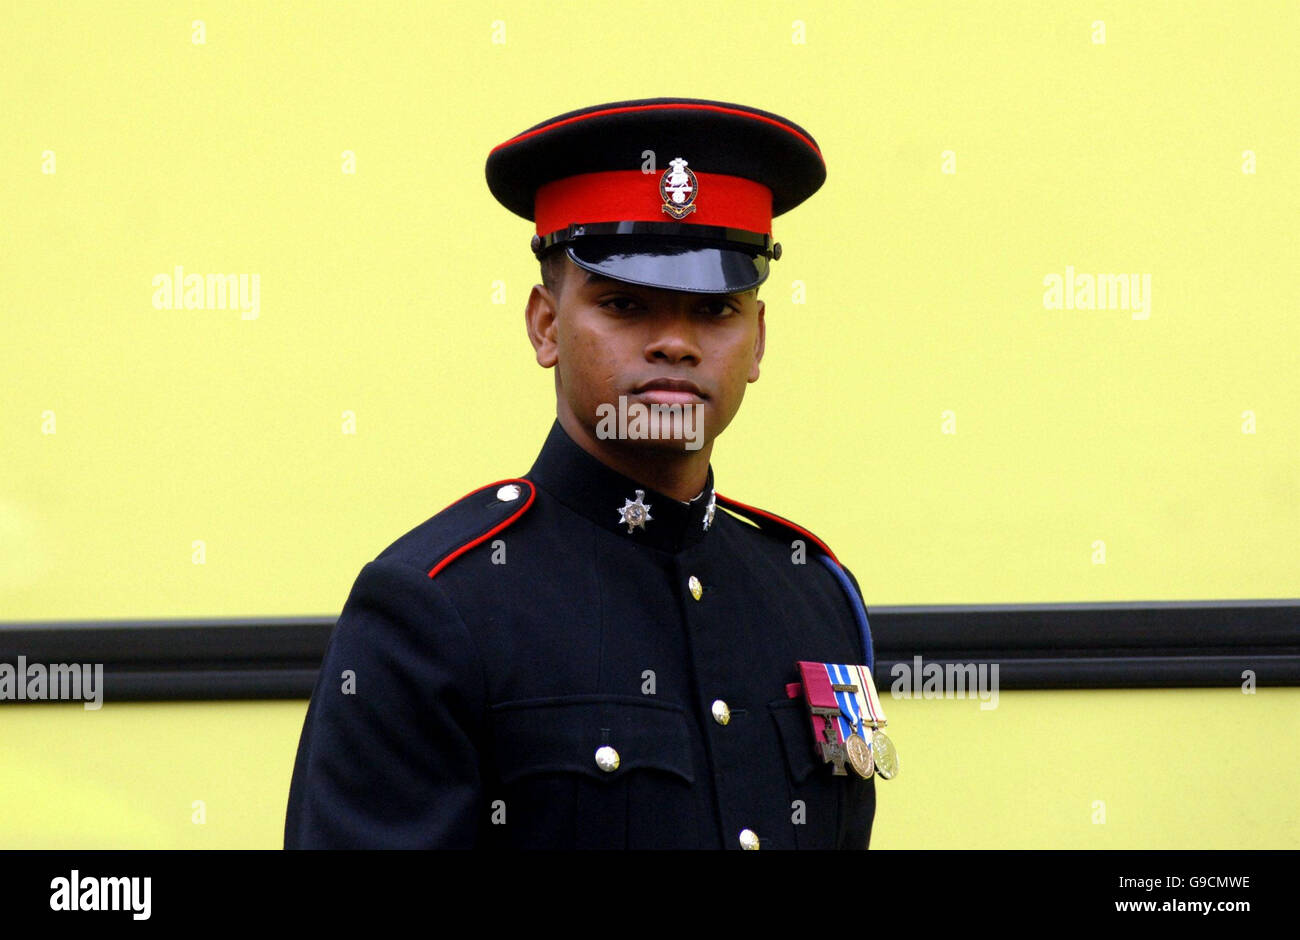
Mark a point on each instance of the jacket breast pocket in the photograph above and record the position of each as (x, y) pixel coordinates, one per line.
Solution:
(816, 792)
(589, 771)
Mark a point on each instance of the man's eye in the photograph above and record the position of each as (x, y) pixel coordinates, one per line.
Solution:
(719, 308)
(621, 304)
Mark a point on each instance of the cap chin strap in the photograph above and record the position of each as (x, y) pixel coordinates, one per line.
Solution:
(756, 243)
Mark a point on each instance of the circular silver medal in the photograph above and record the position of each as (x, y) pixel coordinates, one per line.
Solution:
(886, 756)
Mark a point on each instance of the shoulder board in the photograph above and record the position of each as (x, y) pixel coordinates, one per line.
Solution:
(505, 502)
(771, 522)
(469, 521)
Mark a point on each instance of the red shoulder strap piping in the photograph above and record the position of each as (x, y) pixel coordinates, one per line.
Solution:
(744, 509)
(532, 494)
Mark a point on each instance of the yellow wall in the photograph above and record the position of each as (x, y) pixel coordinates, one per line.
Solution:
(396, 293)
(130, 434)
(1023, 775)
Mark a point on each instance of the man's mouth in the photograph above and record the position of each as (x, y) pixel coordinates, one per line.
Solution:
(670, 391)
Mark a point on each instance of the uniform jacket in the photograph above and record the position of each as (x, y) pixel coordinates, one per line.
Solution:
(496, 647)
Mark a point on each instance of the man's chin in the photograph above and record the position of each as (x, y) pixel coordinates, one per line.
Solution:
(659, 429)
(666, 446)
(669, 442)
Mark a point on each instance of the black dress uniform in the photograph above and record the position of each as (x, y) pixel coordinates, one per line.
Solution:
(572, 659)
(487, 695)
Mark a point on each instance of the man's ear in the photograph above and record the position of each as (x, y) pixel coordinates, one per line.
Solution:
(539, 318)
(760, 344)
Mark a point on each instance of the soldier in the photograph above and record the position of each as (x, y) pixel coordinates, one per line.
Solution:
(599, 653)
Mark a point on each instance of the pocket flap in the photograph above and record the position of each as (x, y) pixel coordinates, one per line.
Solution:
(562, 734)
(795, 725)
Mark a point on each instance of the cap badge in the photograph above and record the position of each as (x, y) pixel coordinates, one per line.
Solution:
(678, 189)
(635, 513)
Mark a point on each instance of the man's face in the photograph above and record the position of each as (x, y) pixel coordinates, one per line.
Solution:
(608, 338)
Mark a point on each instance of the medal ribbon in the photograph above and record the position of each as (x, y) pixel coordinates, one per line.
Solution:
(870, 699)
(847, 701)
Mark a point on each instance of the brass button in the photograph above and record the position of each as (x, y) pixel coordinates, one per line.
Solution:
(696, 587)
(748, 840)
(607, 759)
(721, 713)
(508, 494)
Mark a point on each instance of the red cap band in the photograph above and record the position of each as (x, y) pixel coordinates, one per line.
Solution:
(633, 196)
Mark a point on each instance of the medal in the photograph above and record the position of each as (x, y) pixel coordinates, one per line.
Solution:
(844, 704)
(828, 744)
(886, 756)
(883, 750)
(831, 692)
(859, 754)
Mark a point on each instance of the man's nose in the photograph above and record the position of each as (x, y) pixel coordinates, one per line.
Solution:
(673, 336)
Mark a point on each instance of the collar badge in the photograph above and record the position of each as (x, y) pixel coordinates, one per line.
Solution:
(634, 512)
